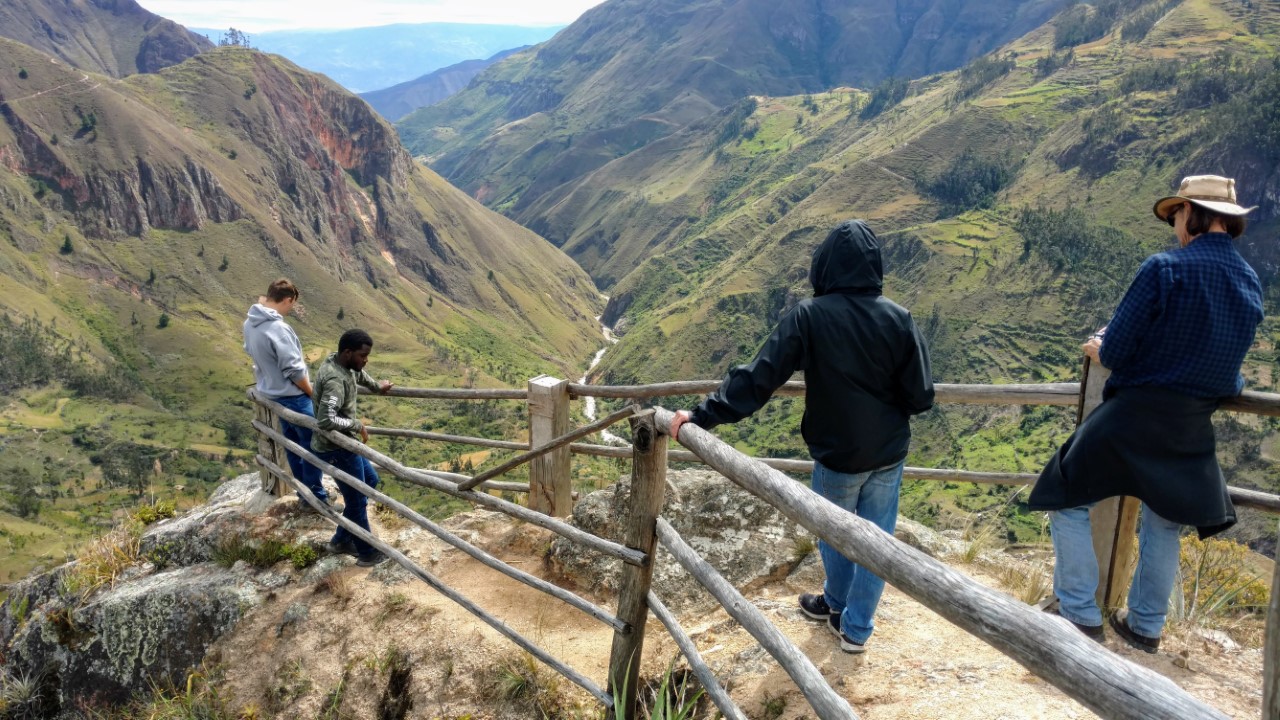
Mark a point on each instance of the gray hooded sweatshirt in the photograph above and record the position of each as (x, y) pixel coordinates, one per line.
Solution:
(276, 352)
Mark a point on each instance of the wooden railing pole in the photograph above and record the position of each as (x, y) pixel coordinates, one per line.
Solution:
(648, 483)
(268, 448)
(1114, 520)
(549, 476)
(1271, 652)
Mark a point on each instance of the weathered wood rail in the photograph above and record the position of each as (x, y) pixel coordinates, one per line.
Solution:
(1098, 679)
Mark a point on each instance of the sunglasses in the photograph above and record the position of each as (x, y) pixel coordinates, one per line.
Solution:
(1174, 214)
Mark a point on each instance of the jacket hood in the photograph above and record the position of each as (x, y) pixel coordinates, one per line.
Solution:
(848, 261)
(260, 313)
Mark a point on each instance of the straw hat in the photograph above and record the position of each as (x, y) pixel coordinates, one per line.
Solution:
(1211, 192)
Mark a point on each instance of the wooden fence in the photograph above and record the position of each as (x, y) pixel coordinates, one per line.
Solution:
(1098, 679)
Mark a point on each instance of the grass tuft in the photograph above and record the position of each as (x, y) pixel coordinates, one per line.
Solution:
(102, 561)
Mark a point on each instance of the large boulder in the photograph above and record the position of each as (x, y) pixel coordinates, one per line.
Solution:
(154, 621)
(747, 540)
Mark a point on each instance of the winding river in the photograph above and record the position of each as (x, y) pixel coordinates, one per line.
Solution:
(590, 409)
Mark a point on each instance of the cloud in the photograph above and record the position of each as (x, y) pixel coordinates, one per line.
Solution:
(267, 15)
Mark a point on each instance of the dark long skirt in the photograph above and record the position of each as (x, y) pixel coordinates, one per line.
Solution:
(1150, 443)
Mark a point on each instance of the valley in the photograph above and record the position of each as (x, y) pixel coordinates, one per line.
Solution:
(684, 160)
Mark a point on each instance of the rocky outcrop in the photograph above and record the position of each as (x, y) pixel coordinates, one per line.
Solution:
(745, 538)
(154, 623)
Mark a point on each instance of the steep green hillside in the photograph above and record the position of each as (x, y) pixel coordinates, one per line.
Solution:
(140, 218)
(117, 38)
(399, 100)
(1013, 198)
(629, 72)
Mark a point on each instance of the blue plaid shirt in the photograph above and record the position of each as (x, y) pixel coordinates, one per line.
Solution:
(1186, 321)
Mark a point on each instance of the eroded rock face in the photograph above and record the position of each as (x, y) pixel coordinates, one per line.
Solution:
(153, 626)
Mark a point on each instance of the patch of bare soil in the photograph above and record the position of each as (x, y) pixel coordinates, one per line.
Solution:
(338, 646)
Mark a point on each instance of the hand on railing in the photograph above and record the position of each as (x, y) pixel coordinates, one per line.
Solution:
(1093, 345)
(385, 386)
(681, 417)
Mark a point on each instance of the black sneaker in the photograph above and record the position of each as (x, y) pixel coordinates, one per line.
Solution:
(846, 643)
(1120, 623)
(1093, 632)
(346, 547)
(373, 558)
(815, 606)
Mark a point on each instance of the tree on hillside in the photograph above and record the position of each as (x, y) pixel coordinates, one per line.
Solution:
(234, 38)
(22, 497)
(126, 464)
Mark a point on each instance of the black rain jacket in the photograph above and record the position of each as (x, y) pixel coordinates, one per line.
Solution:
(865, 364)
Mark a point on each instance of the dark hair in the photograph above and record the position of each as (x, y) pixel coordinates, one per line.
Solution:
(282, 289)
(1200, 219)
(354, 339)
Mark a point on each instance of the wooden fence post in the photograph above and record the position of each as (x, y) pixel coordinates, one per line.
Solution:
(268, 448)
(648, 484)
(1114, 520)
(550, 490)
(1271, 651)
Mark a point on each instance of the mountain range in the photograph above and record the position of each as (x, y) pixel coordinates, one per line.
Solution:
(397, 101)
(365, 59)
(687, 156)
(140, 218)
(1012, 193)
(629, 72)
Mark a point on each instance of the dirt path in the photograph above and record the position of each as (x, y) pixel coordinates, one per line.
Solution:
(918, 666)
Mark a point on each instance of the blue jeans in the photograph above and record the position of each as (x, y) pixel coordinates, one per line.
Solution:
(1075, 572)
(356, 503)
(305, 472)
(852, 590)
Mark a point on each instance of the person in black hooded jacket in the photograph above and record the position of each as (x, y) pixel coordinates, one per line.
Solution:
(866, 370)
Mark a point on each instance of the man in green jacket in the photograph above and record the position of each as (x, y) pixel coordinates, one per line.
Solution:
(335, 400)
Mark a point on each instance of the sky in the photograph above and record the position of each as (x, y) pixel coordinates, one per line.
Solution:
(258, 16)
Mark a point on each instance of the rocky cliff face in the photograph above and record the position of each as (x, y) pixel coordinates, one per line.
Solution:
(149, 627)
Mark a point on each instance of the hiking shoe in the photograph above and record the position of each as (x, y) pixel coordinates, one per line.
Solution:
(346, 547)
(815, 606)
(1093, 632)
(846, 643)
(1120, 623)
(373, 558)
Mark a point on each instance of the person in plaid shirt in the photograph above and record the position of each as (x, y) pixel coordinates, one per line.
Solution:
(1174, 347)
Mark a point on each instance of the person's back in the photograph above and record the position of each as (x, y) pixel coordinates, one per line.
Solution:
(276, 352)
(280, 372)
(866, 372)
(865, 365)
(867, 376)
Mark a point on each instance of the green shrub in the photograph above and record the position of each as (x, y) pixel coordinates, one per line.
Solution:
(302, 556)
(149, 513)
